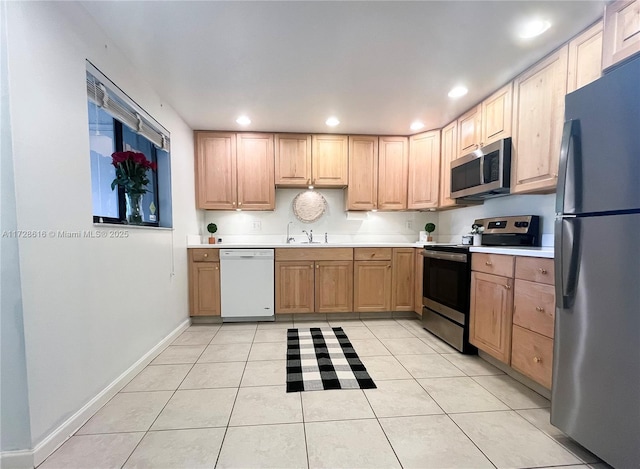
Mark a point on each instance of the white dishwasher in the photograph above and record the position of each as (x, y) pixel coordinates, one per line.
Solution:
(247, 285)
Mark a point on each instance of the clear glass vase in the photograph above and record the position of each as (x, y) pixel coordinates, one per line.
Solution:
(134, 208)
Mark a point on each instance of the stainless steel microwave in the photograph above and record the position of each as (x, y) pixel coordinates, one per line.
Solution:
(484, 173)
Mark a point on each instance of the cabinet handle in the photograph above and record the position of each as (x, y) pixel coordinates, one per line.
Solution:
(542, 271)
(239, 203)
(317, 267)
(507, 286)
(311, 265)
(233, 203)
(217, 267)
(488, 263)
(389, 266)
(537, 360)
(540, 308)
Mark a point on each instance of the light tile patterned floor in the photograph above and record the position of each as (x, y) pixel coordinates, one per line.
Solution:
(216, 398)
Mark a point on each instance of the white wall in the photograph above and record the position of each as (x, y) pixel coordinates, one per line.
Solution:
(14, 414)
(456, 223)
(91, 307)
(360, 226)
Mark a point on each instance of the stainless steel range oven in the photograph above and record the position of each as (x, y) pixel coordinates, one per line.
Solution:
(446, 285)
(445, 294)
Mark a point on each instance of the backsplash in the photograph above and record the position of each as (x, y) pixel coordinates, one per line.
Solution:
(340, 226)
(455, 223)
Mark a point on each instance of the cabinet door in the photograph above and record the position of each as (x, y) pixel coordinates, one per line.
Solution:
(448, 153)
(621, 37)
(216, 170)
(585, 58)
(293, 160)
(402, 280)
(330, 160)
(491, 314)
(496, 115)
(294, 287)
(469, 131)
(532, 355)
(393, 168)
(418, 272)
(256, 189)
(205, 288)
(371, 286)
(362, 191)
(424, 170)
(537, 124)
(334, 286)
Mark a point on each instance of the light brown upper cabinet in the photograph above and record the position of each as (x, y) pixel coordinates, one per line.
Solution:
(393, 167)
(538, 119)
(424, 170)
(234, 171)
(329, 165)
(362, 191)
(621, 38)
(256, 188)
(293, 160)
(448, 153)
(585, 58)
(496, 115)
(469, 131)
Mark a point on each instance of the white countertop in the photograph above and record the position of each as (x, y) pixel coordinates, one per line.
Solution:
(513, 251)
(545, 251)
(302, 245)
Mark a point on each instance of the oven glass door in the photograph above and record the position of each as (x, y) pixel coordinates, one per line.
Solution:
(447, 282)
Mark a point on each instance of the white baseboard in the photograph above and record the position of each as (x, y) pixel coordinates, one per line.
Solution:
(16, 460)
(61, 434)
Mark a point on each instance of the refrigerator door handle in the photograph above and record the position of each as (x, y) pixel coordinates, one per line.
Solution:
(569, 190)
(567, 247)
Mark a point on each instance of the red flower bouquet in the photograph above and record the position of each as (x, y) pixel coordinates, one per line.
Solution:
(131, 171)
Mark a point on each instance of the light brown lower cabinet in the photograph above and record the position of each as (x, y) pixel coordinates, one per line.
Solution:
(309, 280)
(204, 282)
(334, 286)
(294, 287)
(491, 314)
(372, 286)
(402, 279)
(512, 315)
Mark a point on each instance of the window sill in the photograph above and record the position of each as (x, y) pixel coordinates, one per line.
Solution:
(137, 227)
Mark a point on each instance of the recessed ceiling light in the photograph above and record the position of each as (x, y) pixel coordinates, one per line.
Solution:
(243, 120)
(457, 92)
(534, 28)
(417, 125)
(332, 121)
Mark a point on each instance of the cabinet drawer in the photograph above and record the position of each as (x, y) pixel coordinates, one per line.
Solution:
(372, 254)
(205, 255)
(535, 269)
(495, 264)
(314, 254)
(532, 355)
(534, 306)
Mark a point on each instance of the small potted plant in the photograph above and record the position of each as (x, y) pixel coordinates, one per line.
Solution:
(429, 228)
(212, 228)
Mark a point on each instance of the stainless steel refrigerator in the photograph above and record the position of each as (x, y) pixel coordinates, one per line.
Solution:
(596, 363)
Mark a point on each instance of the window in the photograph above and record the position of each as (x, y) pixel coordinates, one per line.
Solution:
(116, 123)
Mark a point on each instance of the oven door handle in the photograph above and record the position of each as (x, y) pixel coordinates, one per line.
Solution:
(445, 256)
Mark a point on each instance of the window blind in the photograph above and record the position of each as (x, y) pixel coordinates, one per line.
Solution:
(106, 95)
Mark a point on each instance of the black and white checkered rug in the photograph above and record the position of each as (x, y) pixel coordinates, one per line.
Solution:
(323, 358)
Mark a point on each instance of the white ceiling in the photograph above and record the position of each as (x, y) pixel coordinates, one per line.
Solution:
(377, 66)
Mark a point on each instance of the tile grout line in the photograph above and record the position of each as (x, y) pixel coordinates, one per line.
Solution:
(146, 432)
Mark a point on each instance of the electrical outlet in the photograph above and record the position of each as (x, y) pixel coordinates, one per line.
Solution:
(256, 225)
(409, 224)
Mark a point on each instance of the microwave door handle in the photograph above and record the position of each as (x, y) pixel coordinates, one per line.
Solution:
(482, 169)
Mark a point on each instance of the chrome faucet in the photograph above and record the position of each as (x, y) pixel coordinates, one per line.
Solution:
(309, 235)
(290, 239)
